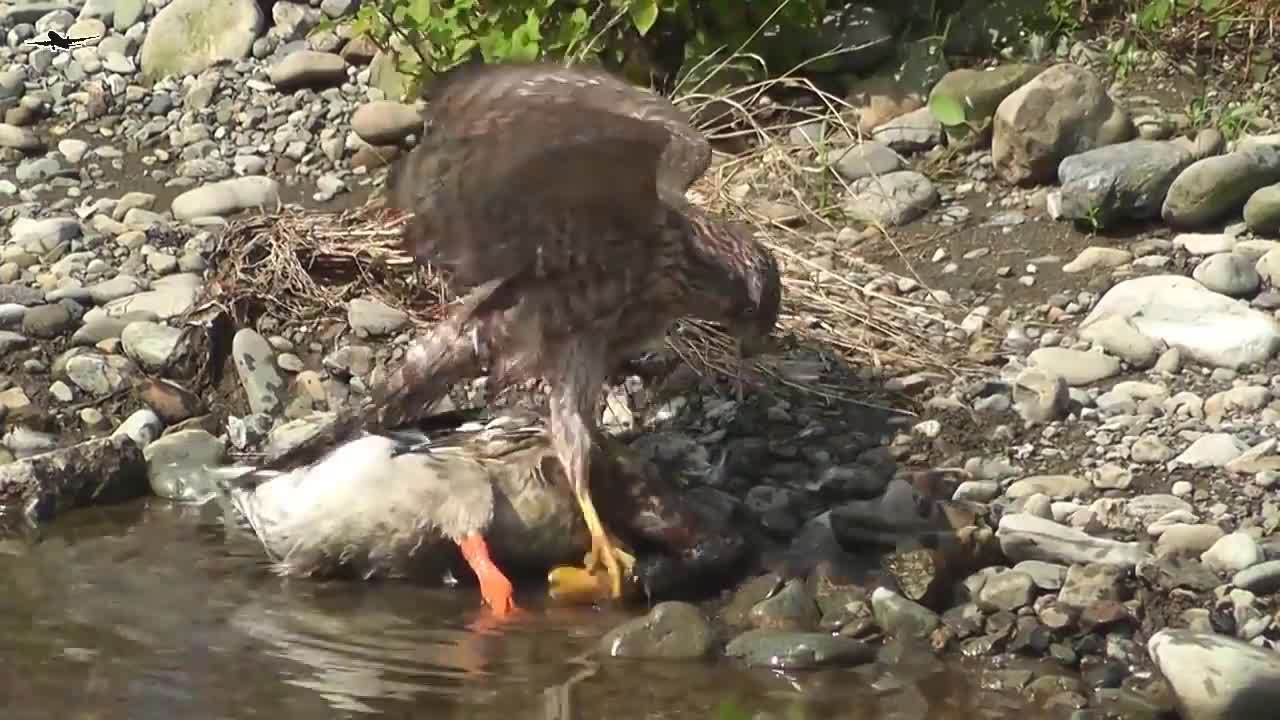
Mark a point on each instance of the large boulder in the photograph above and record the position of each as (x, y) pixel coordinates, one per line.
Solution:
(188, 36)
(1063, 111)
(1210, 328)
(1216, 186)
(1127, 181)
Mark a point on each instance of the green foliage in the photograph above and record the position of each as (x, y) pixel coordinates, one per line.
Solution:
(1232, 119)
(431, 36)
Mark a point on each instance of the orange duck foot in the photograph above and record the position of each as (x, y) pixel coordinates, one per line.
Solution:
(495, 588)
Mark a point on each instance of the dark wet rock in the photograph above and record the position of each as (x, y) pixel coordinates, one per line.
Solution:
(797, 651)
(96, 472)
(751, 593)
(791, 608)
(1126, 181)
(671, 631)
(900, 617)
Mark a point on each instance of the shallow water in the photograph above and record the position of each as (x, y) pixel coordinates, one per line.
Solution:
(154, 611)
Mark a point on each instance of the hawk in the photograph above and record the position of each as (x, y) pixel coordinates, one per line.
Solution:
(552, 198)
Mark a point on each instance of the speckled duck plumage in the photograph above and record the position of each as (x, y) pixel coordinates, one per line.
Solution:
(393, 504)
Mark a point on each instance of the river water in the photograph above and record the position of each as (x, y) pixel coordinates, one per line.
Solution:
(150, 611)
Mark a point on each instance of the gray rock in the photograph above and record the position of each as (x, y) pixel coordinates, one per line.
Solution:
(1229, 274)
(868, 159)
(1212, 450)
(94, 374)
(46, 234)
(1261, 579)
(1077, 367)
(788, 650)
(1233, 553)
(1184, 314)
(169, 297)
(892, 199)
(980, 92)
(153, 345)
(47, 321)
(1094, 257)
(1087, 584)
(1063, 111)
(1054, 486)
(255, 364)
(912, 132)
(1214, 677)
(1026, 537)
(375, 317)
(1262, 211)
(308, 69)
(671, 631)
(1126, 181)
(1008, 590)
(188, 36)
(227, 197)
(143, 427)
(900, 617)
(383, 122)
(20, 138)
(1040, 396)
(179, 464)
(97, 472)
(1119, 337)
(1215, 186)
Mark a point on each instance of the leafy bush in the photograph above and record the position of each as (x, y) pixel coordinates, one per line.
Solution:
(658, 36)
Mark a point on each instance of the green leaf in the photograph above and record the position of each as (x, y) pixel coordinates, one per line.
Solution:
(644, 13)
(947, 110)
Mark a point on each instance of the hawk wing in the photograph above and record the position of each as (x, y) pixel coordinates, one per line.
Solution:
(533, 179)
(470, 88)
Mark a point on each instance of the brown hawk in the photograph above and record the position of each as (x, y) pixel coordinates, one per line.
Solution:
(553, 200)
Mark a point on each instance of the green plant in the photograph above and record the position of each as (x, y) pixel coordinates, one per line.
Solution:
(430, 36)
(1232, 119)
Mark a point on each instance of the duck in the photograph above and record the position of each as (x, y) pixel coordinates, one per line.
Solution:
(403, 503)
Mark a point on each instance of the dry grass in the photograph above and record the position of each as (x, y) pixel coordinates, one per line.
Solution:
(305, 266)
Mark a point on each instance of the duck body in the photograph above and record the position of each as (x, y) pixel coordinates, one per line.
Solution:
(394, 505)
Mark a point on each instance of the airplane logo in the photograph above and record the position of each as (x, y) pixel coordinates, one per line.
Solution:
(64, 43)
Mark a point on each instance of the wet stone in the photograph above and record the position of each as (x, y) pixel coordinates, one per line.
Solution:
(671, 631)
(795, 651)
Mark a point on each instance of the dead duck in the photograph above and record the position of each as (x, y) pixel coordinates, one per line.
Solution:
(389, 505)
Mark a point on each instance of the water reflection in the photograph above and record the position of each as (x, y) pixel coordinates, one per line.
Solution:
(156, 611)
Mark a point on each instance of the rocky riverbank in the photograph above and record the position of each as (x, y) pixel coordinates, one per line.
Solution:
(1104, 270)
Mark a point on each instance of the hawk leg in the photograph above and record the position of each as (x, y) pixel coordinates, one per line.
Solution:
(572, 435)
